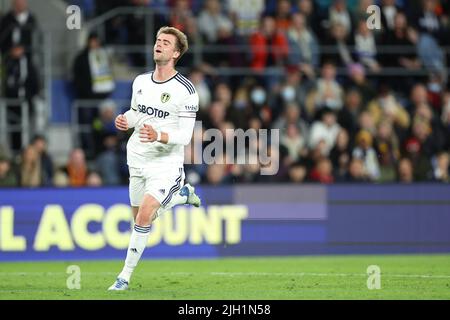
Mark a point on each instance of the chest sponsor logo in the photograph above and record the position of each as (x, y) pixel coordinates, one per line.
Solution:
(153, 112)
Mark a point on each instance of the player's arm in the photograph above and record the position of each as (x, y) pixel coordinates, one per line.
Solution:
(186, 123)
(128, 120)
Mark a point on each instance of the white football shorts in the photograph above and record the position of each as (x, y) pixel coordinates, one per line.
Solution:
(159, 182)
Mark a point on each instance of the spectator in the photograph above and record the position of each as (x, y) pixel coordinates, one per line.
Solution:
(77, 169)
(294, 89)
(431, 55)
(19, 31)
(104, 126)
(308, 9)
(366, 122)
(216, 174)
(322, 172)
(405, 171)
(303, 45)
(30, 168)
(389, 13)
(387, 146)
(325, 130)
(427, 20)
(348, 115)
(338, 13)
(406, 37)
(94, 180)
(329, 92)
(92, 74)
(358, 81)
(216, 115)
(108, 161)
(181, 15)
(291, 116)
(283, 15)
(294, 142)
(268, 46)
(245, 15)
(356, 172)
(340, 155)
(7, 177)
(441, 167)
(446, 120)
(197, 77)
(297, 173)
(386, 107)
(60, 179)
(364, 150)
(419, 161)
(189, 59)
(211, 21)
(39, 144)
(366, 47)
(338, 42)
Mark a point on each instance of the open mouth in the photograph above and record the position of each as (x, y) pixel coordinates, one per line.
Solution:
(158, 51)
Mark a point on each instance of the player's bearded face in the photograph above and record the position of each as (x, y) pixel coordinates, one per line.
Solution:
(164, 50)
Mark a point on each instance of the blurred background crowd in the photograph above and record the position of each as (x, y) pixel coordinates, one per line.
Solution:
(353, 105)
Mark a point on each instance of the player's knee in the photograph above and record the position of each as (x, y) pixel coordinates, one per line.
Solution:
(147, 210)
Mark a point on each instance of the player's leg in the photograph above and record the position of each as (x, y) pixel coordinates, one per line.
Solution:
(138, 239)
(135, 211)
(136, 193)
(186, 195)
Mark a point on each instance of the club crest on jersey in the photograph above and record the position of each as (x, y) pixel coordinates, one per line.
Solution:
(165, 97)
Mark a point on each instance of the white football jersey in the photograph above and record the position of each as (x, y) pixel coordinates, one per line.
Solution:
(161, 105)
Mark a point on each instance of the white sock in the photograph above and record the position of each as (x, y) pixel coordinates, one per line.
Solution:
(174, 201)
(138, 242)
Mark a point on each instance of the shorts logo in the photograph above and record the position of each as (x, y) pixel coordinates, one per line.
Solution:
(165, 97)
(163, 191)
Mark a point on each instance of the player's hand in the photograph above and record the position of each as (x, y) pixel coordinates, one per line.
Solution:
(121, 123)
(148, 134)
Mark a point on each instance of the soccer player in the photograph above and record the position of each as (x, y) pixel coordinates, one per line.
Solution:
(163, 111)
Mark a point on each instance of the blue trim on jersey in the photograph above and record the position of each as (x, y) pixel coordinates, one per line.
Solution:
(174, 189)
(188, 82)
(176, 74)
(187, 85)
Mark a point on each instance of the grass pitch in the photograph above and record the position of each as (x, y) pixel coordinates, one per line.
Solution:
(330, 277)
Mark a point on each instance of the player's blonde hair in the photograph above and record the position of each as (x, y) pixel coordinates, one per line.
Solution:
(182, 44)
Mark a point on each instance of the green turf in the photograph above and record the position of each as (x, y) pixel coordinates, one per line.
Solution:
(331, 277)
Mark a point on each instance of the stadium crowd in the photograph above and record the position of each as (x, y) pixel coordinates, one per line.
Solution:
(343, 118)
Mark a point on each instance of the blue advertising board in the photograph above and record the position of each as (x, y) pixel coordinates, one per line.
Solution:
(84, 224)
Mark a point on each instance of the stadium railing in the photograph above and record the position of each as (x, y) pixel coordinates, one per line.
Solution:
(11, 122)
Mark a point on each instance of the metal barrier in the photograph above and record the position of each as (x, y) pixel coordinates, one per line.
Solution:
(77, 128)
(22, 126)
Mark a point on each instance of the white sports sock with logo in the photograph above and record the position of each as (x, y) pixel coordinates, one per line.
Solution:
(138, 242)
